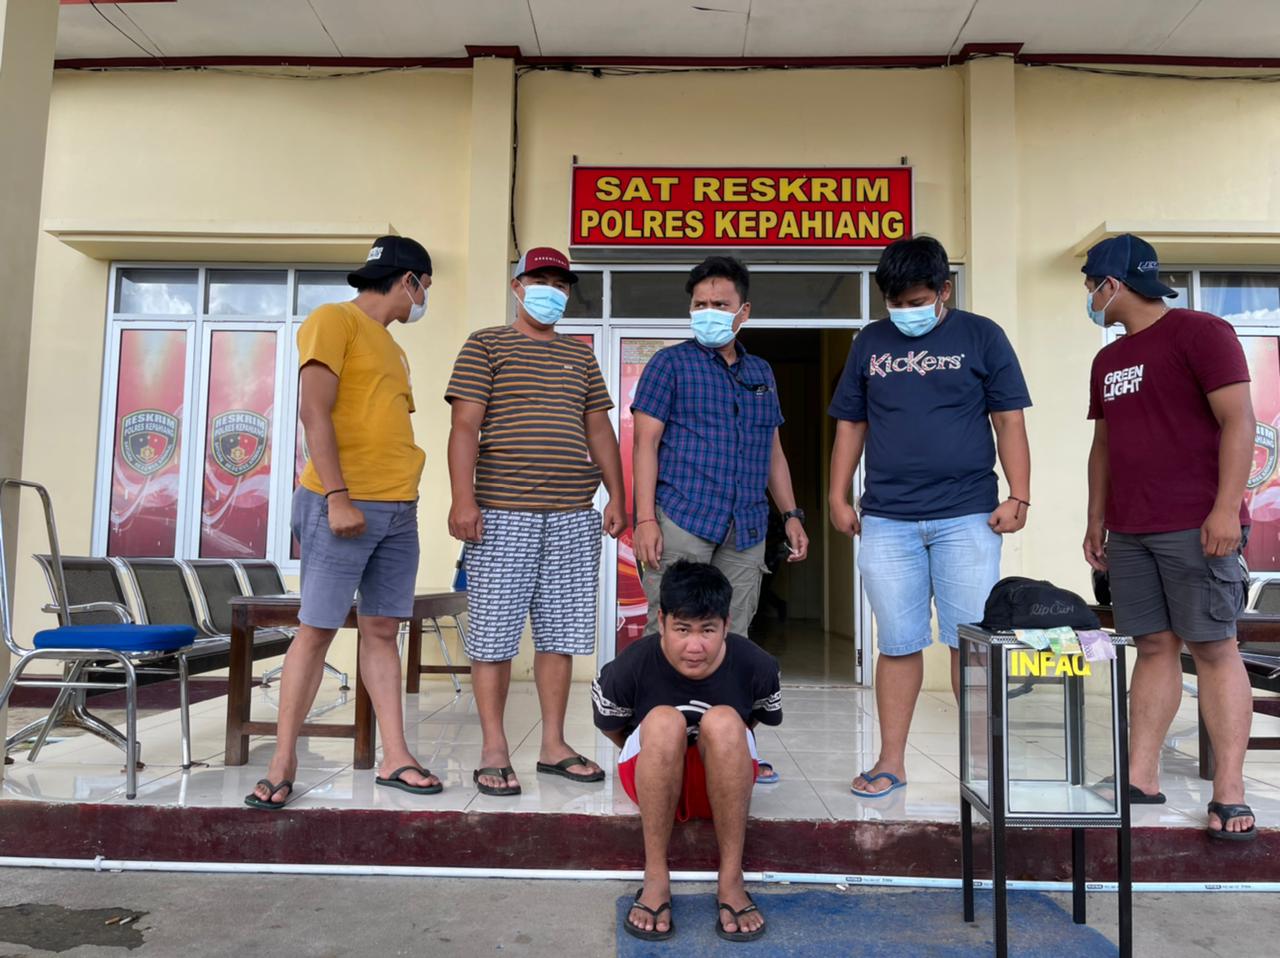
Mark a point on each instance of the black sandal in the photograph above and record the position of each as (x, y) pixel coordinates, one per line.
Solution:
(739, 935)
(503, 773)
(266, 804)
(1138, 797)
(562, 769)
(395, 781)
(654, 935)
(1227, 812)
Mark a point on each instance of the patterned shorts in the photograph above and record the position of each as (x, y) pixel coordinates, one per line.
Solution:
(544, 565)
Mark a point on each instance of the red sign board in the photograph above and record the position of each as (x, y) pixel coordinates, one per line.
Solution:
(822, 207)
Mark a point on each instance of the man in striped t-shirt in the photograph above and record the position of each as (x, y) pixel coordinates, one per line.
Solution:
(530, 441)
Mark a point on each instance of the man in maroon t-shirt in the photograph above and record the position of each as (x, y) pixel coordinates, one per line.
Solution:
(1172, 448)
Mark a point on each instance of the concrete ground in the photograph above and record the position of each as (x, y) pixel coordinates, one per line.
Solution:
(44, 912)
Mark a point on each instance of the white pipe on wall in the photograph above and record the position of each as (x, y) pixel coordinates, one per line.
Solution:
(101, 864)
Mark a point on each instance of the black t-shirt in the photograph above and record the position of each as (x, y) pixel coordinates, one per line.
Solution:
(641, 679)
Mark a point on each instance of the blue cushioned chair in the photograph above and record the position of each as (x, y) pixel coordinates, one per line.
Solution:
(116, 650)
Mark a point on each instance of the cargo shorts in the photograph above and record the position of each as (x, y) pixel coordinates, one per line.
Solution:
(1164, 582)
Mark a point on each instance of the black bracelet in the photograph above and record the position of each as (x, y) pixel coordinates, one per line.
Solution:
(1022, 502)
(334, 492)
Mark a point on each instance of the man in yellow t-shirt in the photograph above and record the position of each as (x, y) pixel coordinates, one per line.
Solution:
(355, 512)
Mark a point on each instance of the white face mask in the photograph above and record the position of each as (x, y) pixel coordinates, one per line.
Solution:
(417, 310)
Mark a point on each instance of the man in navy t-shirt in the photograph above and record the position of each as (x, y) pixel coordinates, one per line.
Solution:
(920, 393)
(1173, 445)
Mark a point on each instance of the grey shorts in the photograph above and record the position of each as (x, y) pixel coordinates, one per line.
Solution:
(1164, 582)
(539, 565)
(382, 563)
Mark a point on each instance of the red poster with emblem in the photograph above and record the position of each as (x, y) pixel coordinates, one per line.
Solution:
(633, 607)
(146, 459)
(237, 460)
(1262, 492)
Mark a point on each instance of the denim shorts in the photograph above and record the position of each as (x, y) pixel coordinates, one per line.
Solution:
(381, 564)
(904, 564)
(1164, 582)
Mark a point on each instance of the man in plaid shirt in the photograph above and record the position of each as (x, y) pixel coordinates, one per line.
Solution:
(707, 448)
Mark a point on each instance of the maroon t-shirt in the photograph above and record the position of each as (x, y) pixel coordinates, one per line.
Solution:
(1151, 389)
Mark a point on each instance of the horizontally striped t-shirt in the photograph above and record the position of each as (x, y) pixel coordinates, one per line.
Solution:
(533, 441)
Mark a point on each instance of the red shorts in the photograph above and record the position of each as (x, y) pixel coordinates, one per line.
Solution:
(693, 801)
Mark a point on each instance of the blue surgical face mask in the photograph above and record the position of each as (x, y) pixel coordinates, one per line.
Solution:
(545, 304)
(915, 321)
(713, 327)
(1099, 316)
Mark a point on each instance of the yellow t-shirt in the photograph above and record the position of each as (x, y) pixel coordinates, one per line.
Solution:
(379, 458)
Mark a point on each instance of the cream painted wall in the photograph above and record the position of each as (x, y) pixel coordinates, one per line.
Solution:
(131, 147)
(816, 117)
(1094, 148)
(27, 34)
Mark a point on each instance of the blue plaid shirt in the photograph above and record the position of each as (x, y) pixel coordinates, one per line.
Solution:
(713, 462)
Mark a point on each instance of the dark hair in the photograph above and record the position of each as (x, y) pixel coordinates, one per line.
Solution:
(725, 267)
(384, 285)
(919, 261)
(695, 590)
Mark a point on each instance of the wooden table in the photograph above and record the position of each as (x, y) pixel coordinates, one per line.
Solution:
(249, 613)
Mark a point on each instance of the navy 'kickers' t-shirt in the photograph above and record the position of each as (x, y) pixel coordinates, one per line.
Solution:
(930, 451)
(640, 679)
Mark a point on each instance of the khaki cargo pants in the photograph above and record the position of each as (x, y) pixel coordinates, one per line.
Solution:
(742, 569)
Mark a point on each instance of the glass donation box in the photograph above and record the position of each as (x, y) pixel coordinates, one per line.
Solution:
(1044, 745)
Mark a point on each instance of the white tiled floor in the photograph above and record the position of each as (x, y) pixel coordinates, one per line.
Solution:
(827, 737)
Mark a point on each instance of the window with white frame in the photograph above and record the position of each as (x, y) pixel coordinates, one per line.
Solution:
(199, 443)
(200, 446)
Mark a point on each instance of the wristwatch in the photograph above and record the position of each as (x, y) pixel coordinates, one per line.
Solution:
(794, 514)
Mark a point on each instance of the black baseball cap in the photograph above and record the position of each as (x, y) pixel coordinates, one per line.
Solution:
(391, 254)
(1130, 259)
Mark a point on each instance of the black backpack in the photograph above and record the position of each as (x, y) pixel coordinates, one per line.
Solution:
(1021, 603)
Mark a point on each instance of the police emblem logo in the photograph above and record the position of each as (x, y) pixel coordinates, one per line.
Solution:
(1264, 456)
(238, 440)
(148, 440)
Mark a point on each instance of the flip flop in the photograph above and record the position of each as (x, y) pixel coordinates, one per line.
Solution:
(739, 935)
(253, 801)
(1136, 795)
(770, 777)
(562, 769)
(894, 785)
(503, 773)
(1227, 812)
(395, 781)
(640, 933)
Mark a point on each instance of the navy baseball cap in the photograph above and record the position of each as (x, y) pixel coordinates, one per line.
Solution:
(391, 254)
(1130, 259)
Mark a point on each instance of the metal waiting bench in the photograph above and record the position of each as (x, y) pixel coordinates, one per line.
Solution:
(97, 655)
(150, 592)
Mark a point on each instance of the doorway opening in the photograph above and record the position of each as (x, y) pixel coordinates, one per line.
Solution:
(808, 612)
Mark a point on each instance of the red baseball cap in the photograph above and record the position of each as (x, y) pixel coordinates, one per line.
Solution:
(544, 257)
